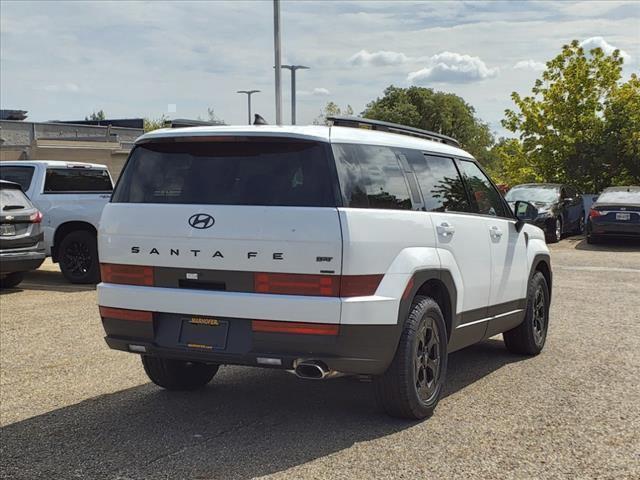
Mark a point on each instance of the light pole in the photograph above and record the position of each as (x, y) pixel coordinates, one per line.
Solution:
(293, 69)
(278, 61)
(249, 93)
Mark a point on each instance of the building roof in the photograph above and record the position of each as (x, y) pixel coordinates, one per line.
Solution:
(319, 133)
(13, 114)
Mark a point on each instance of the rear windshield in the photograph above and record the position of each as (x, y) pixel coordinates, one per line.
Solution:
(620, 196)
(77, 180)
(19, 175)
(253, 172)
(13, 199)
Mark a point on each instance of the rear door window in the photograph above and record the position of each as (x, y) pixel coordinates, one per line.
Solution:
(483, 194)
(269, 172)
(441, 185)
(370, 177)
(19, 175)
(77, 180)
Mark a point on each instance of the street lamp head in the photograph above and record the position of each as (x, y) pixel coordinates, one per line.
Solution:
(248, 92)
(294, 67)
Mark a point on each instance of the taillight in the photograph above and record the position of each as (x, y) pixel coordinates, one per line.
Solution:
(318, 285)
(594, 213)
(36, 217)
(359, 285)
(297, 284)
(126, 314)
(127, 274)
(267, 326)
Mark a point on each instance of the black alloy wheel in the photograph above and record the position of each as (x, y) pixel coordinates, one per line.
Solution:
(78, 257)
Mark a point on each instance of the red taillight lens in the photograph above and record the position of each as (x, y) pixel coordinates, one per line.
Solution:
(319, 285)
(127, 274)
(297, 284)
(594, 213)
(359, 285)
(266, 326)
(126, 314)
(36, 217)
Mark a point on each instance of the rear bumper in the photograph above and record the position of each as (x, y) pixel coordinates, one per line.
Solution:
(357, 349)
(20, 261)
(614, 229)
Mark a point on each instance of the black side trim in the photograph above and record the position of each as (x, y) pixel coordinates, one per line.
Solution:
(537, 260)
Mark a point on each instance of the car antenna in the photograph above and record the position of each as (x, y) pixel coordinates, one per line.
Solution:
(258, 120)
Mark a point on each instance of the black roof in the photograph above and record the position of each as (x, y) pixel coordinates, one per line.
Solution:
(13, 114)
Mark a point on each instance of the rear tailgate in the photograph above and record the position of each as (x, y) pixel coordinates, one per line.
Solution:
(211, 216)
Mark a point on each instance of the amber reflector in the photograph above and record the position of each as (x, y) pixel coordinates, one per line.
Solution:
(126, 314)
(267, 326)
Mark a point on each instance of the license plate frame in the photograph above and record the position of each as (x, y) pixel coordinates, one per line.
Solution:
(624, 216)
(7, 230)
(203, 333)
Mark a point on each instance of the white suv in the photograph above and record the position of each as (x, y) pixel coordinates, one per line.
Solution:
(322, 250)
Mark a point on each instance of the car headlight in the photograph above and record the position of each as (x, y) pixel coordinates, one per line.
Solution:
(544, 213)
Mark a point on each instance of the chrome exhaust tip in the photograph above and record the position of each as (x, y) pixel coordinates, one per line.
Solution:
(311, 370)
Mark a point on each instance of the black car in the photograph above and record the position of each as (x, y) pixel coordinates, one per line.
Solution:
(560, 207)
(21, 239)
(616, 213)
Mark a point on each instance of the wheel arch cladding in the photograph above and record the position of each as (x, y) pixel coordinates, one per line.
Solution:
(436, 284)
(66, 228)
(542, 264)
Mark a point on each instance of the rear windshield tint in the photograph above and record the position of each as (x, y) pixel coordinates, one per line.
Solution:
(253, 172)
(13, 199)
(19, 175)
(77, 180)
(620, 196)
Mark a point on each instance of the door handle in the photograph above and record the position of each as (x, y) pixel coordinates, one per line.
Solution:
(495, 232)
(446, 229)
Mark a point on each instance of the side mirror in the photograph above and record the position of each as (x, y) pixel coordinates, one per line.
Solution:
(525, 212)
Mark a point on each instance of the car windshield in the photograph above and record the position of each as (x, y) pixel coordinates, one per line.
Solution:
(620, 196)
(528, 194)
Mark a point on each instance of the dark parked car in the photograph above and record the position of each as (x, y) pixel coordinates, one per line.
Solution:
(616, 213)
(21, 239)
(560, 207)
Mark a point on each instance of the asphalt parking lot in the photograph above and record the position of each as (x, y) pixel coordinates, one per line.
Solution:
(71, 408)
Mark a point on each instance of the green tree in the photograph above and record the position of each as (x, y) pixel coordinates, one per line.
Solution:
(440, 112)
(96, 116)
(331, 109)
(155, 123)
(580, 125)
(510, 165)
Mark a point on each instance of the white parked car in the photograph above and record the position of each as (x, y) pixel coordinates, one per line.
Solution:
(321, 250)
(71, 196)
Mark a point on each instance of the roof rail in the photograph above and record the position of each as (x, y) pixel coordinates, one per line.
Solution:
(366, 123)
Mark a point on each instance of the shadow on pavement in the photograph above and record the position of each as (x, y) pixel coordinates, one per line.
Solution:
(47, 280)
(610, 245)
(250, 422)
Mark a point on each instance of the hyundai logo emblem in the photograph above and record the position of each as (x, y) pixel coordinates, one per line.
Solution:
(201, 221)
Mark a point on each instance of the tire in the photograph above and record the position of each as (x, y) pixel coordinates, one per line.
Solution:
(555, 235)
(178, 374)
(397, 390)
(12, 280)
(78, 257)
(529, 337)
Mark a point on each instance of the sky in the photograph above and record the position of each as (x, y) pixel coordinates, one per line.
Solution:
(64, 60)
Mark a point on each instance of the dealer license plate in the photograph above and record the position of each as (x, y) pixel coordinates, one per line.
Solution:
(623, 216)
(204, 333)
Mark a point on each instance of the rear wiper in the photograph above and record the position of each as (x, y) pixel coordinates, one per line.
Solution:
(13, 207)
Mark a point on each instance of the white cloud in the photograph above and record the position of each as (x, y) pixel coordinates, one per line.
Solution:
(599, 42)
(451, 67)
(380, 58)
(318, 92)
(65, 87)
(529, 65)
